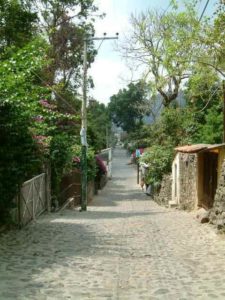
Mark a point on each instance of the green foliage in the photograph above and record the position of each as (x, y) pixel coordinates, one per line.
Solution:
(91, 162)
(19, 95)
(40, 76)
(16, 24)
(204, 97)
(66, 24)
(65, 155)
(126, 107)
(159, 158)
(19, 156)
(214, 41)
(99, 126)
(61, 159)
(211, 132)
(174, 46)
(202, 86)
(19, 76)
(138, 139)
(164, 45)
(174, 126)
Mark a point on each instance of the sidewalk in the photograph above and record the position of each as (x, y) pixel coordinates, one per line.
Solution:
(124, 247)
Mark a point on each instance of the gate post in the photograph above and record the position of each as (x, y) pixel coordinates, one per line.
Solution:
(19, 209)
(33, 200)
(48, 186)
(110, 164)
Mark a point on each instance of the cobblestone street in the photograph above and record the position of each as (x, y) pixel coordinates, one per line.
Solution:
(124, 247)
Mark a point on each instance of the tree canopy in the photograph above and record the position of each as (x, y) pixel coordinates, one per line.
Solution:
(127, 107)
(163, 45)
(41, 48)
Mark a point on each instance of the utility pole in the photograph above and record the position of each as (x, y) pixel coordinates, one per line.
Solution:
(107, 136)
(83, 132)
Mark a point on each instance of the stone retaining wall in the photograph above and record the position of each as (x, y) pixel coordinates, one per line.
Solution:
(188, 181)
(165, 193)
(217, 214)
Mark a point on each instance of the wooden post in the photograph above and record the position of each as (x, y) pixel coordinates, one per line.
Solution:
(110, 164)
(19, 210)
(33, 200)
(138, 167)
(48, 186)
(83, 133)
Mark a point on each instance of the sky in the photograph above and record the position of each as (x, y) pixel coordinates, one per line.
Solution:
(109, 71)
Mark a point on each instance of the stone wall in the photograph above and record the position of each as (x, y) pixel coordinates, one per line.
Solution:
(217, 213)
(165, 193)
(188, 181)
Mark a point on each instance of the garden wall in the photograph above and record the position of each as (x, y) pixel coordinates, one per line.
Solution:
(165, 193)
(217, 213)
(188, 181)
(70, 187)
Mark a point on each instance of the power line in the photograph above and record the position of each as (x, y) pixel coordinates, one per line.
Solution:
(54, 91)
(204, 9)
(211, 97)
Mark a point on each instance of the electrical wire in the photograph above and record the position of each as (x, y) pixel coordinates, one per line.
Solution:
(54, 91)
(211, 96)
(100, 45)
(204, 9)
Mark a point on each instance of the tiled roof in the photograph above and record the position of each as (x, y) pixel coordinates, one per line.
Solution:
(198, 147)
(192, 148)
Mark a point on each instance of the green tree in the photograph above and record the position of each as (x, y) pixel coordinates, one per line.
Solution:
(99, 126)
(19, 155)
(163, 45)
(213, 42)
(126, 107)
(211, 132)
(204, 100)
(17, 24)
(66, 23)
(159, 160)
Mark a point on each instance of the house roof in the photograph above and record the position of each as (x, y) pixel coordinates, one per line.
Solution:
(198, 147)
(192, 148)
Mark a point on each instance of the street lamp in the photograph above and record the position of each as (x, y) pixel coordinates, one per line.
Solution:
(83, 131)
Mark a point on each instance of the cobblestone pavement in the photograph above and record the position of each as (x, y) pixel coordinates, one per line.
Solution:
(124, 247)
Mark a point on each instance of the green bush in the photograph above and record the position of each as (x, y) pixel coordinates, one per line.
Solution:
(19, 156)
(159, 158)
(61, 159)
(91, 162)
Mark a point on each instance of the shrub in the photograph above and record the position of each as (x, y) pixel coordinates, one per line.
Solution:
(19, 156)
(91, 163)
(61, 159)
(159, 158)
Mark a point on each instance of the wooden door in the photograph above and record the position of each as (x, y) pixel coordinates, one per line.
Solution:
(209, 178)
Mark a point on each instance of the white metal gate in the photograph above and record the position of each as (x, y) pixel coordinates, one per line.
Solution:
(32, 200)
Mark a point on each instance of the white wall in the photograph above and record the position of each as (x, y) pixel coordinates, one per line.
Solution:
(176, 179)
